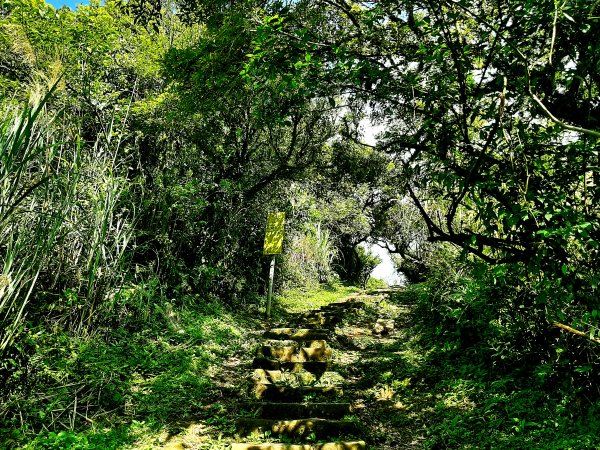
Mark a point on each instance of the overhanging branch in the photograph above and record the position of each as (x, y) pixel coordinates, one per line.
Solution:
(559, 122)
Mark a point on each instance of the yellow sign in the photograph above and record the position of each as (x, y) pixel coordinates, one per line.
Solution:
(274, 234)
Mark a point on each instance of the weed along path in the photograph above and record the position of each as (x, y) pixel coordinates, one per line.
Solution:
(372, 371)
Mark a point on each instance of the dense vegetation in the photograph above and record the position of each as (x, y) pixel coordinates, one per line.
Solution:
(142, 144)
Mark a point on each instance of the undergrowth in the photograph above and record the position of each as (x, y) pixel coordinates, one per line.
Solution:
(443, 379)
(298, 300)
(162, 367)
(113, 388)
(468, 390)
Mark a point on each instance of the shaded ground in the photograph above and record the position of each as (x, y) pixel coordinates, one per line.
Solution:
(378, 367)
(181, 385)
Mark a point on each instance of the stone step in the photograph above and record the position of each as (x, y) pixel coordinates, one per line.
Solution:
(297, 334)
(333, 309)
(268, 410)
(295, 354)
(316, 367)
(297, 344)
(326, 321)
(357, 445)
(285, 393)
(321, 313)
(325, 318)
(341, 306)
(296, 378)
(297, 428)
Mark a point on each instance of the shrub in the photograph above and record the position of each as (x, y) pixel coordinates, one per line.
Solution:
(307, 261)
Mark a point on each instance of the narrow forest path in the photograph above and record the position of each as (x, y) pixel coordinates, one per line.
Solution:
(333, 378)
(298, 397)
(317, 383)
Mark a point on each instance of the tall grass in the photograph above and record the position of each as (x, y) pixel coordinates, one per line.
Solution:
(308, 260)
(92, 258)
(66, 236)
(32, 201)
(66, 221)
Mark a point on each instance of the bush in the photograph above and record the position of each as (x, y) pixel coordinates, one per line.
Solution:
(307, 260)
(367, 263)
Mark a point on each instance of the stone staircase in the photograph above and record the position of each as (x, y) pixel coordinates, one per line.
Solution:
(296, 396)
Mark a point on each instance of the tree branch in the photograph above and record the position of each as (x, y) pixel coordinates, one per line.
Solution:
(559, 122)
(574, 331)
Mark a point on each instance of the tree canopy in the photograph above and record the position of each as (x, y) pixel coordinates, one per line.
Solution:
(144, 142)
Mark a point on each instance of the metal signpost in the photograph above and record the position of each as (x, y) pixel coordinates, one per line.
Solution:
(273, 246)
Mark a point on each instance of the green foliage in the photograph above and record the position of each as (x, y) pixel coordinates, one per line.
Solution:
(367, 262)
(464, 390)
(344, 207)
(210, 160)
(404, 231)
(298, 300)
(307, 260)
(491, 314)
(113, 439)
(490, 128)
(375, 283)
(65, 222)
(154, 368)
(137, 193)
(34, 200)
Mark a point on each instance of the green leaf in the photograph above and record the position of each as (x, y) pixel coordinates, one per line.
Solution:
(584, 369)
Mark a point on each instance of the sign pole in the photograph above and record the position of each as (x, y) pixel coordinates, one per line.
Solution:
(270, 294)
(273, 246)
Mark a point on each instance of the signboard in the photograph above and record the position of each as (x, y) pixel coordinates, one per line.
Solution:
(274, 234)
